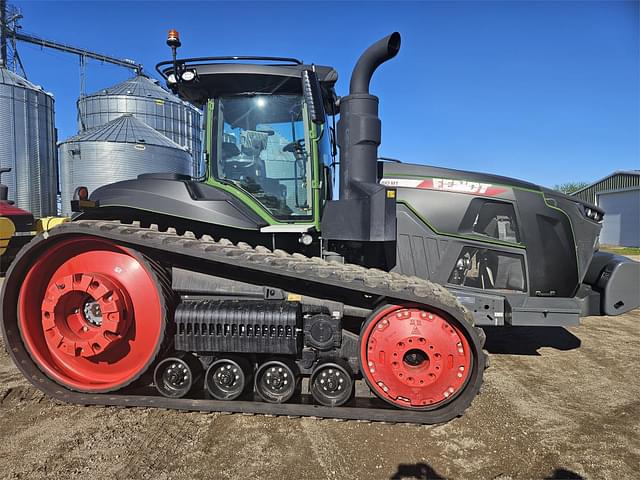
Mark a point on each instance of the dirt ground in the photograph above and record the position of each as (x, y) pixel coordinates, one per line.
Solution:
(556, 404)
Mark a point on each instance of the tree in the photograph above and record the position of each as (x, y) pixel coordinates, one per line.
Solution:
(570, 187)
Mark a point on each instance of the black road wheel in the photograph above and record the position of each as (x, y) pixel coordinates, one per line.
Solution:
(174, 377)
(227, 378)
(331, 384)
(276, 381)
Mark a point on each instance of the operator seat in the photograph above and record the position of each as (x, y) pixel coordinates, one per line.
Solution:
(245, 165)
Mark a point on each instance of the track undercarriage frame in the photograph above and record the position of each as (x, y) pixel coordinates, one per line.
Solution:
(399, 319)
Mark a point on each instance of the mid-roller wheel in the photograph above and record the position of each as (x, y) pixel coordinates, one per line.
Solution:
(175, 377)
(331, 384)
(276, 381)
(227, 378)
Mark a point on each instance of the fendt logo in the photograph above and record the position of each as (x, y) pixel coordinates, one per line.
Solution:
(462, 186)
(446, 185)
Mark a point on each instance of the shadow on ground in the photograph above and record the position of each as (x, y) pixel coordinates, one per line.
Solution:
(416, 471)
(527, 340)
(564, 474)
(422, 471)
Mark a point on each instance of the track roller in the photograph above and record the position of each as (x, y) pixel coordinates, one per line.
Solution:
(174, 377)
(276, 381)
(331, 384)
(227, 378)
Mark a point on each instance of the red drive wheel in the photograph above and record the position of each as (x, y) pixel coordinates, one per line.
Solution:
(91, 314)
(413, 358)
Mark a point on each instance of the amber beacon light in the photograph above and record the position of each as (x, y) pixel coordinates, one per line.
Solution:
(173, 38)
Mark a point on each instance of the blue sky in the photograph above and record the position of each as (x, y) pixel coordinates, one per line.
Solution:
(547, 92)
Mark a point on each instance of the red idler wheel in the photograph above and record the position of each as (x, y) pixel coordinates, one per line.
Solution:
(84, 315)
(91, 314)
(413, 358)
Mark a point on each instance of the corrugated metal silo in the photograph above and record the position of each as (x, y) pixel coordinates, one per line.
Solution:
(120, 150)
(28, 144)
(143, 97)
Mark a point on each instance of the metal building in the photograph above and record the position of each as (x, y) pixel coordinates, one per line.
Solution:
(28, 144)
(148, 101)
(120, 150)
(618, 195)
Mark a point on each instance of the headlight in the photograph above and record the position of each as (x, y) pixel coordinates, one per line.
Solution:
(593, 214)
(188, 75)
(171, 79)
(306, 239)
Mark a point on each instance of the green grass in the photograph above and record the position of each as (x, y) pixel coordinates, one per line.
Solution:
(620, 250)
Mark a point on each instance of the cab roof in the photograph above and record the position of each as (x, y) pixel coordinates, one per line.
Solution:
(217, 76)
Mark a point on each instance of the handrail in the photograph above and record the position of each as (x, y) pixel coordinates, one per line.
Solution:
(183, 61)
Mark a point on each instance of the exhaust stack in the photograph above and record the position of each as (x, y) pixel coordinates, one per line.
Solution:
(359, 128)
(365, 210)
(378, 53)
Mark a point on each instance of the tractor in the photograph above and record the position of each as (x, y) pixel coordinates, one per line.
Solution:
(293, 280)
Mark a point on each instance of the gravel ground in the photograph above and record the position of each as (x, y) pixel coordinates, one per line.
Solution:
(556, 404)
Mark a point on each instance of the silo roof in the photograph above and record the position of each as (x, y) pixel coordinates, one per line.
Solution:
(7, 77)
(126, 129)
(138, 86)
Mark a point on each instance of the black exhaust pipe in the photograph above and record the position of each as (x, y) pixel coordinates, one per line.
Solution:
(359, 128)
(378, 53)
(366, 210)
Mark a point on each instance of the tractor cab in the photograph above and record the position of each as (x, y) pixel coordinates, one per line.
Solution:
(267, 139)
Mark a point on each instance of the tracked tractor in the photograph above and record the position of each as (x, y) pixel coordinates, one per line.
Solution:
(261, 288)
(17, 226)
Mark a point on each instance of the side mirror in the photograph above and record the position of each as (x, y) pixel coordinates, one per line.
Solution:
(313, 96)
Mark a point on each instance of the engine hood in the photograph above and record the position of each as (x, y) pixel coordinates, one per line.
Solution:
(483, 182)
(391, 170)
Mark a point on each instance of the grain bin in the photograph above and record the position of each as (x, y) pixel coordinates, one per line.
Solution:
(28, 144)
(119, 150)
(144, 98)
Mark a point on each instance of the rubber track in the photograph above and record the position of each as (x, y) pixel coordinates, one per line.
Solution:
(278, 269)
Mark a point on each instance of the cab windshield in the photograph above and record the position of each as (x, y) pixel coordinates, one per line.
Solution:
(259, 145)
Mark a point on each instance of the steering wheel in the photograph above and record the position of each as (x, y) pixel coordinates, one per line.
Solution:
(241, 162)
(297, 148)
